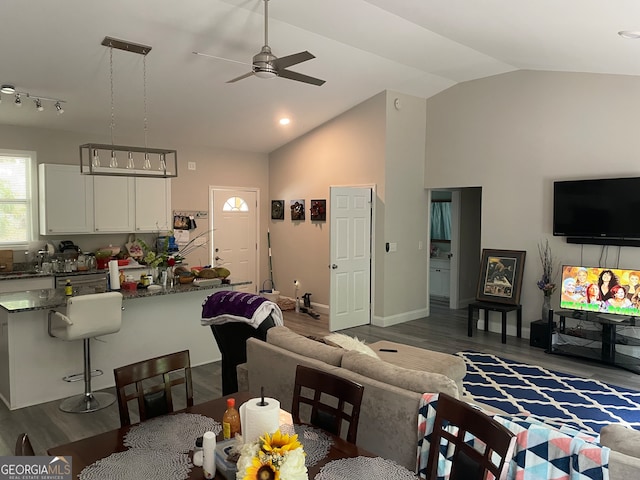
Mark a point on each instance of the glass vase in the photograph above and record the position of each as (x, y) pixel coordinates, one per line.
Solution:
(546, 306)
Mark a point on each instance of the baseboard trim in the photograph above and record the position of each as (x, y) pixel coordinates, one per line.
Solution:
(399, 318)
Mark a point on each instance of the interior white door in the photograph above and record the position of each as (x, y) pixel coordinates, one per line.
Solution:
(234, 224)
(350, 257)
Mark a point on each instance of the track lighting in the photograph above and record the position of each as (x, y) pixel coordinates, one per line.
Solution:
(38, 99)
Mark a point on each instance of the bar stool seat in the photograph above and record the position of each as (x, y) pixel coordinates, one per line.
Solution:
(87, 317)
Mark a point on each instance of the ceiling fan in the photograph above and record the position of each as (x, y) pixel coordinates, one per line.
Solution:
(266, 65)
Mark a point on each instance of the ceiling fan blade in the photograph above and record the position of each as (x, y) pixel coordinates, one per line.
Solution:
(300, 77)
(289, 60)
(241, 77)
(221, 58)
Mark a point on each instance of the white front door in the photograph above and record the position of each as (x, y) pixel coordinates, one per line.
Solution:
(234, 224)
(350, 257)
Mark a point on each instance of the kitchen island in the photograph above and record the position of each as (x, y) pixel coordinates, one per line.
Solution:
(155, 322)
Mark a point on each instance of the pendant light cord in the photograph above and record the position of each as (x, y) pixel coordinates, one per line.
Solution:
(144, 96)
(113, 122)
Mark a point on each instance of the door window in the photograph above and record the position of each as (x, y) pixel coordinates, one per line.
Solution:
(235, 204)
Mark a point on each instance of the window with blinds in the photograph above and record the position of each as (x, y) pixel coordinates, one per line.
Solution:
(17, 209)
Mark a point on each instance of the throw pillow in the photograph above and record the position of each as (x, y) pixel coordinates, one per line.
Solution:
(349, 343)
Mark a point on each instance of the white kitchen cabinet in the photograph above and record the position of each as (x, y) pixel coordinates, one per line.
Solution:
(153, 204)
(113, 204)
(439, 275)
(65, 200)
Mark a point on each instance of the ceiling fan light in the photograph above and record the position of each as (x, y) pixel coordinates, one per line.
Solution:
(18, 100)
(8, 89)
(263, 74)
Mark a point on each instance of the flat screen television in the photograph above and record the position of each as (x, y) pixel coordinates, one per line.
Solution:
(597, 289)
(603, 208)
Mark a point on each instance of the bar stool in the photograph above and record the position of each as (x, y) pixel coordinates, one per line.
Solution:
(87, 317)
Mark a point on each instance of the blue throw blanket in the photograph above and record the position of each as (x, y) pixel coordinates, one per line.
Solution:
(542, 452)
(227, 306)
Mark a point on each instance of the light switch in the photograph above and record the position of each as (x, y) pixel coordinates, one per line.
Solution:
(420, 245)
(393, 247)
(191, 165)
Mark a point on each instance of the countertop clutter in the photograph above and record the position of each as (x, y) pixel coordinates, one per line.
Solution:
(54, 297)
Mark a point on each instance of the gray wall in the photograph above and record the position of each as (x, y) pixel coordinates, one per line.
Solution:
(513, 135)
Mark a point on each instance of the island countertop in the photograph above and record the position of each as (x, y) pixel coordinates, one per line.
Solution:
(54, 297)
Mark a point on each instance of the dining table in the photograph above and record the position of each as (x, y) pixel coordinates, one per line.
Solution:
(87, 451)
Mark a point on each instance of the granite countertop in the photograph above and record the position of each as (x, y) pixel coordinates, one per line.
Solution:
(46, 299)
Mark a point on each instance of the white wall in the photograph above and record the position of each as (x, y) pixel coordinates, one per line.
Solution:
(372, 144)
(513, 135)
(189, 191)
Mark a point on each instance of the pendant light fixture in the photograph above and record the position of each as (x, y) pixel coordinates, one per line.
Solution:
(140, 161)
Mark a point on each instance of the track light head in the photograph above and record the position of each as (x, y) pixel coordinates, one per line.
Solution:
(8, 89)
(59, 108)
(39, 106)
(18, 100)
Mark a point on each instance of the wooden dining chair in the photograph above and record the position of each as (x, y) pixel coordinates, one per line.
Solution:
(151, 382)
(467, 462)
(327, 397)
(23, 446)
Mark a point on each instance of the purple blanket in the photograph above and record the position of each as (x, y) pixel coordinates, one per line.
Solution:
(238, 304)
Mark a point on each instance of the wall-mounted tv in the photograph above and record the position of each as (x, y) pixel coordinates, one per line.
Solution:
(597, 289)
(603, 208)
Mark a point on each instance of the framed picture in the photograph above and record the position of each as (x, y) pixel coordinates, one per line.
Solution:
(318, 210)
(500, 278)
(297, 210)
(277, 209)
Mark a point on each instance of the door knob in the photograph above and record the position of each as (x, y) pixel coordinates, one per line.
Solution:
(334, 266)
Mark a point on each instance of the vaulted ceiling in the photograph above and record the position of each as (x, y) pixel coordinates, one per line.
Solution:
(419, 47)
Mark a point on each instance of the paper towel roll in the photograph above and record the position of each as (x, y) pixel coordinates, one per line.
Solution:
(114, 275)
(256, 419)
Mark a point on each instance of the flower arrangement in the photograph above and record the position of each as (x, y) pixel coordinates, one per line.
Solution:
(162, 257)
(272, 457)
(546, 282)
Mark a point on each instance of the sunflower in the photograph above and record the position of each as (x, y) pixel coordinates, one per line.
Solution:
(279, 442)
(261, 471)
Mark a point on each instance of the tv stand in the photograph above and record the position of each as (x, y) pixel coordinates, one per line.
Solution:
(605, 338)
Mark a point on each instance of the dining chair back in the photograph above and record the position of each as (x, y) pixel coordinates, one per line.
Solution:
(150, 383)
(23, 446)
(456, 419)
(327, 395)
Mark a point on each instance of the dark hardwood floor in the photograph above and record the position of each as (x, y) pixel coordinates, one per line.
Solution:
(445, 331)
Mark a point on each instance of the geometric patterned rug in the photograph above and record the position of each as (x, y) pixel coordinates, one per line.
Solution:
(552, 397)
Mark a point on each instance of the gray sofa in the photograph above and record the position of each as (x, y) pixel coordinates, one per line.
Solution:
(388, 416)
(392, 392)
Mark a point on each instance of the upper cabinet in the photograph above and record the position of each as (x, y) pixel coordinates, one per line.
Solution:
(113, 204)
(153, 204)
(72, 203)
(65, 200)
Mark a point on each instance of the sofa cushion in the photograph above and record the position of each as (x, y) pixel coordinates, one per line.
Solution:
(406, 378)
(621, 439)
(421, 359)
(284, 338)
